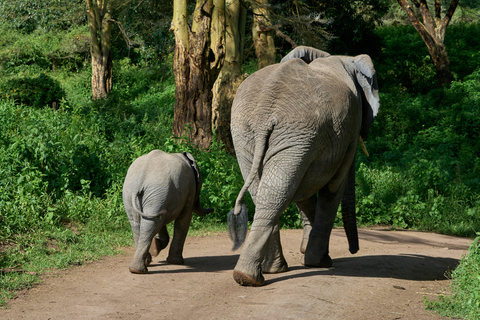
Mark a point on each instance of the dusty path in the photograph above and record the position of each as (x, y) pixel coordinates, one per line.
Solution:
(386, 279)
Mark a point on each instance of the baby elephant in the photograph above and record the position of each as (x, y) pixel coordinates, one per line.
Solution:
(161, 187)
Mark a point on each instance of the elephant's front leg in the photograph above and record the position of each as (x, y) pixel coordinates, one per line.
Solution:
(274, 261)
(142, 258)
(316, 253)
(182, 224)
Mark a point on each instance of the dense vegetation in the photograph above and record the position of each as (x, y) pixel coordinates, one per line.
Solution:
(63, 157)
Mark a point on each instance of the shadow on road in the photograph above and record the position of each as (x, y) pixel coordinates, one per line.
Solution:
(405, 267)
(198, 264)
(409, 237)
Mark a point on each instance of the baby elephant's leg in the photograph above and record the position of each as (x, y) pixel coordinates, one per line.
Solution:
(159, 242)
(182, 223)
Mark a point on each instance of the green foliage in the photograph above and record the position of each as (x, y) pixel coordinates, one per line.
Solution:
(464, 301)
(37, 92)
(353, 24)
(28, 16)
(424, 168)
(40, 50)
(405, 64)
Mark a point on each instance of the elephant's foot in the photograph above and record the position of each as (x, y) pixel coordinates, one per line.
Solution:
(248, 273)
(311, 260)
(158, 244)
(306, 234)
(135, 271)
(303, 246)
(148, 259)
(246, 280)
(140, 266)
(175, 260)
(274, 266)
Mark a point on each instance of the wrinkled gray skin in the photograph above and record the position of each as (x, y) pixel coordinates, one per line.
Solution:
(295, 127)
(161, 187)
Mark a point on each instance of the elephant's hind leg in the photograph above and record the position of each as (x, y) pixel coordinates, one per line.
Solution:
(316, 253)
(159, 242)
(307, 210)
(274, 261)
(142, 258)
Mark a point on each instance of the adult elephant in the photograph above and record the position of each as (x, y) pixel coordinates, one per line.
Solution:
(295, 128)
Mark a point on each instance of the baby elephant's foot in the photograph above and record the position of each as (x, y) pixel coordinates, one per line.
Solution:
(148, 259)
(138, 269)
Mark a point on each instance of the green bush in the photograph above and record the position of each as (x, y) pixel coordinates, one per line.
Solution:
(464, 300)
(424, 163)
(38, 92)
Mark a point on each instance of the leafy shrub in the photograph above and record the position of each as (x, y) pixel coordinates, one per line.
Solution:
(41, 51)
(38, 92)
(464, 301)
(424, 168)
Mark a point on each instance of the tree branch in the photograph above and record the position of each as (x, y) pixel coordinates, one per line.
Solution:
(279, 34)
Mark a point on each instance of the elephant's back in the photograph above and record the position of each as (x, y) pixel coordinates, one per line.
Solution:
(158, 178)
(294, 93)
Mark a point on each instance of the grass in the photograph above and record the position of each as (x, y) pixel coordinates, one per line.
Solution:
(464, 299)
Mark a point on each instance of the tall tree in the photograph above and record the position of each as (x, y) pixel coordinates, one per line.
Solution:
(230, 76)
(197, 62)
(432, 31)
(99, 14)
(262, 33)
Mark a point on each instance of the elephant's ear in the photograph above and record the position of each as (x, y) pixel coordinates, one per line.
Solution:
(194, 165)
(307, 54)
(367, 79)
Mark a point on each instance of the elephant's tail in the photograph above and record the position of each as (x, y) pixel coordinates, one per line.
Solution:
(237, 219)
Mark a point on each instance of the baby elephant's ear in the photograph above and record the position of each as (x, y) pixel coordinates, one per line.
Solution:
(193, 163)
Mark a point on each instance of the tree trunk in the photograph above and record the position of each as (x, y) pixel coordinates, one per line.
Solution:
(262, 36)
(181, 66)
(439, 55)
(99, 25)
(196, 66)
(432, 31)
(230, 76)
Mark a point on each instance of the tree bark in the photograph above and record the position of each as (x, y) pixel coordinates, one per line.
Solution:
(263, 37)
(99, 25)
(196, 66)
(432, 31)
(230, 76)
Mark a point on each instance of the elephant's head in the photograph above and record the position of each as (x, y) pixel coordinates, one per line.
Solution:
(197, 207)
(363, 74)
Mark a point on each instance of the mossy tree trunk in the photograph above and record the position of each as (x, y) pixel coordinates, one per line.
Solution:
(100, 25)
(432, 31)
(262, 34)
(230, 76)
(197, 62)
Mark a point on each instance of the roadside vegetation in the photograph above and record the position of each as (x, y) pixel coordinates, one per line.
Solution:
(63, 157)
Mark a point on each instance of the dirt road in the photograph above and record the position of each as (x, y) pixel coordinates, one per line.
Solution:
(386, 279)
